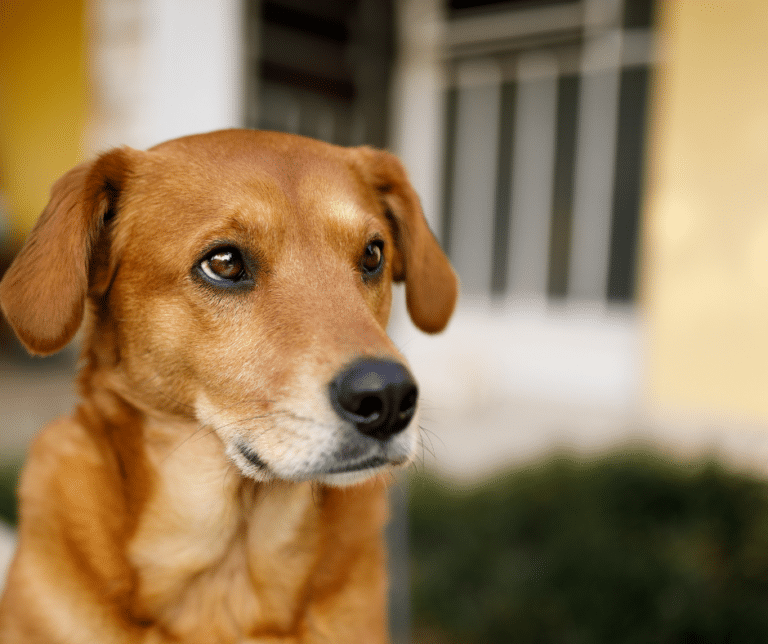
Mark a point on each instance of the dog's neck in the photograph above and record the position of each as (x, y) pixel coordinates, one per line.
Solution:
(210, 550)
(226, 543)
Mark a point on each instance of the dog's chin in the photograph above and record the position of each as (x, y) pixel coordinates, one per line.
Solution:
(345, 479)
(333, 471)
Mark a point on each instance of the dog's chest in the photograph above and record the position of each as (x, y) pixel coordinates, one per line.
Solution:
(215, 556)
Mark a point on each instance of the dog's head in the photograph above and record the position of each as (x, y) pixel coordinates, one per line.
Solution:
(243, 279)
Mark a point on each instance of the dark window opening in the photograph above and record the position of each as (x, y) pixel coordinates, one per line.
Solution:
(322, 69)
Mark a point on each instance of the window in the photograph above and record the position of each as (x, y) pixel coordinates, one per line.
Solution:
(544, 140)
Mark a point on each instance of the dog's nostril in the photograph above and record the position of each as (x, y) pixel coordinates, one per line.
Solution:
(370, 408)
(377, 396)
(408, 404)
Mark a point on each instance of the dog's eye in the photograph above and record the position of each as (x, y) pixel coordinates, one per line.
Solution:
(223, 265)
(373, 258)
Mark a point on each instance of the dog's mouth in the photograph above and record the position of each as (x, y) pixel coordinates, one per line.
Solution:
(252, 457)
(359, 466)
(348, 464)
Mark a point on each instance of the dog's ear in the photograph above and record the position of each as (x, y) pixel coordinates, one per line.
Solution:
(43, 291)
(431, 287)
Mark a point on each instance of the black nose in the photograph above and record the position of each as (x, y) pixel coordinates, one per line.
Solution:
(377, 396)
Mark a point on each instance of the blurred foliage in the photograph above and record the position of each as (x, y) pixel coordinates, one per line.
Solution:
(9, 474)
(626, 550)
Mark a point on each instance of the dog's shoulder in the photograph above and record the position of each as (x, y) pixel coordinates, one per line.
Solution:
(71, 505)
(62, 446)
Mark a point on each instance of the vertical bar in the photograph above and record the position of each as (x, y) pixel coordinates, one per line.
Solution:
(533, 161)
(252, 50)
(399, 568)
(638, 14)
(628, 184)
(562, 198)
(419, 78)
(449, 155)
(474, 176)
(595, 158)
(501, 224)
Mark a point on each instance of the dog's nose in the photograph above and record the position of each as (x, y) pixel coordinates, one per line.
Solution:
(377, 396)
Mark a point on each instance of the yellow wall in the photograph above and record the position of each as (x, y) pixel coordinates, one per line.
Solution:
(706, 246)
(42, 100)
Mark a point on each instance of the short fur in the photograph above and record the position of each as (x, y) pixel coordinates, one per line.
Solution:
(141, 520)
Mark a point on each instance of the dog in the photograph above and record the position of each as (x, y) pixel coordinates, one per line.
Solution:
(223, 479)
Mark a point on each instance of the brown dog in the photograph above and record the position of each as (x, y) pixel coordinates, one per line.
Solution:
(236, 374)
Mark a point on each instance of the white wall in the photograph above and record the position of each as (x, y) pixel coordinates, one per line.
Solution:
(165, 68)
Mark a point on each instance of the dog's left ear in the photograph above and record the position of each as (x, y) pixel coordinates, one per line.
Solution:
(431, 286)
(43, 291)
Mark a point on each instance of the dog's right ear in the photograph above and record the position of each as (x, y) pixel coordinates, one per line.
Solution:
(431, 286)
(43, 292)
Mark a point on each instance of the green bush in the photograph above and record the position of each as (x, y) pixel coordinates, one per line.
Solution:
(627, 550)
(9, 474)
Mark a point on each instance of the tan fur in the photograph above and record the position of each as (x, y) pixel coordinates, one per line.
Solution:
(141, 519)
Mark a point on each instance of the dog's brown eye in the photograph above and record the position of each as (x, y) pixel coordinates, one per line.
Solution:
(224, 265)
(373, 258)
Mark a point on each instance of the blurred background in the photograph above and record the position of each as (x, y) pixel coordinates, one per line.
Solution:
(596, 170)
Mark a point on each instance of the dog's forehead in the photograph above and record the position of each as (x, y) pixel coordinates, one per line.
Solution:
(234, 158)
(273, 186)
